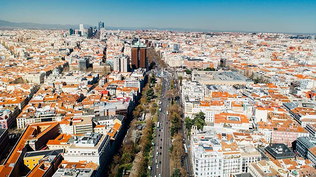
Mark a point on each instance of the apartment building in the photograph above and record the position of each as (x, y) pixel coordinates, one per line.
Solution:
(219, 154)
(282, 168)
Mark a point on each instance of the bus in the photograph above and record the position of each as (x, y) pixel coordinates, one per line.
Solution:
(185, 148)
(158, 124)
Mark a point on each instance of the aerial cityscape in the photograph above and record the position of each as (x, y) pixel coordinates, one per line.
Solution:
(137, 95)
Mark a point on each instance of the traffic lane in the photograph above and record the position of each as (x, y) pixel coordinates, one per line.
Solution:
(157, 145)
(165, 154)
(166, 143)
(158, 156)
(154, 156)
(164, 149)
(161, 156)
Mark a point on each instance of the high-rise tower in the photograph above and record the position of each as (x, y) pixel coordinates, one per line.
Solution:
(81, 29)
(139, 59)
(100, 25)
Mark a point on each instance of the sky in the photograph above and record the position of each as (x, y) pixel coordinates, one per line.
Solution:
(296, 16)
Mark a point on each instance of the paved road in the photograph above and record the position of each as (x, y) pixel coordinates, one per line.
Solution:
(162, 139)
(187, 159)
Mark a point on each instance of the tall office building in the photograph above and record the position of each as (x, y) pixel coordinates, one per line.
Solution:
(100, 25)
(81, 29)
(71, 31)
(90, 32)
(139, 59)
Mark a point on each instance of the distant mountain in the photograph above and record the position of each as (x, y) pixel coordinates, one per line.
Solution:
(13, 25)
(25, 25)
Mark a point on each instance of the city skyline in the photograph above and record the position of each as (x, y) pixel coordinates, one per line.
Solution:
(248, 16)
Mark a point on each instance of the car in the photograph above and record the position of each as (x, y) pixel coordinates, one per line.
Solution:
(157, 153)
(159, 162)
(160, 147)
(157, 166)
(159, 175)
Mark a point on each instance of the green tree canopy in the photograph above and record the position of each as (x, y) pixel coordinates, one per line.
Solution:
(209, 69)
(199, 121)
(172, 84)
(150, 94)
(176, 173)
(189, 123)
(188, 71)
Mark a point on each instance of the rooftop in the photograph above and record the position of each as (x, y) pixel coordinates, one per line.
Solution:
(279, 151)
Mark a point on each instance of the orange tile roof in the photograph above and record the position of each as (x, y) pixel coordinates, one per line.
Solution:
(5, 169)
(222, 118)
(37, 171)
(61, 139)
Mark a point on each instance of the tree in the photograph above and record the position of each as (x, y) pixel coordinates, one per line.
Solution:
(155, 118)
(209, 69)
(153, 79)
(172, 84)
(136, 113)
(199, 120)
(138, 164)
(184, 172)
(188, 71)
(177, 150)
(143, 101)
(199, 123)
(176, 123)
(176, 173)
(174, 108)
(189, 123)
(150, 94)
(126, 158)
(201, 115)
(175, 118)
(180, 79)
(152, 109)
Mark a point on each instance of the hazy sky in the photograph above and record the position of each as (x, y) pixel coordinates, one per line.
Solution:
(244, 15)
